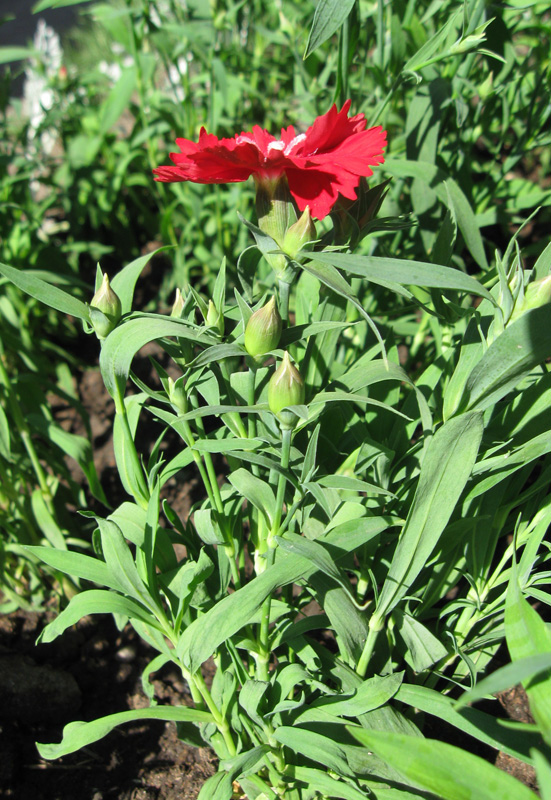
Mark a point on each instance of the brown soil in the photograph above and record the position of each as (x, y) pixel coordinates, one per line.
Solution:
(90, 671)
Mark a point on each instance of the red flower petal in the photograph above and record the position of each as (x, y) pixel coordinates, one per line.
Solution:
(322, 163)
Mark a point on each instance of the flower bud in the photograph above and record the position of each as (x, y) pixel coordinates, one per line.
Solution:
(215, 318)
(178, 305)
(105, 309)
(286, 388)
(263, 330)
(300, 235)
(536, 294)
(177, 395)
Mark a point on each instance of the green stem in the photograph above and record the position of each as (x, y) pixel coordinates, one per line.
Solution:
(264, 638)
(220, 720)
(284, 289)
(286, 436)
(375, 627)
(234, 416)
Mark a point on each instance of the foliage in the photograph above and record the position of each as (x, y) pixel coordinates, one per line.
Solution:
(356, 561)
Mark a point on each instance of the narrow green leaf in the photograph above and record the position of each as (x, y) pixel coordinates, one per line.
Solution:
(528, 635)
(255, 490)
(481, 726)
(49, 295)
(445, 188)
(94, 601)
(519, 671)
(543, 774)
(446, 771)
(118, 100)
(328, 18)
(124, 282)
(408, 273)
(523, 345)
(76, 564)
(8, 54)
(446, 468)
(121, 564)
(80, 734)
(331, 787)
(123, 343)
(315, 746)
(229, 615)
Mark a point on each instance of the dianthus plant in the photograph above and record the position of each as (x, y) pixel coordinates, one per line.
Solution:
(349, 560)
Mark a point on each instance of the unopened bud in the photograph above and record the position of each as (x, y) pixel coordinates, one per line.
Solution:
(301, 235)
(177, 395)
(286, 388)
(178, 305)
(215, 318)
(536, 294)
(263, 330)
(105, 309)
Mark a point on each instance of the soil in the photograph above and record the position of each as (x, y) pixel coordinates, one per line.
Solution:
(95, 669)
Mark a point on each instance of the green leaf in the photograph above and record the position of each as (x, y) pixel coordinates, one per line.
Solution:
(331, 787)
(49, 295)
(233, 612)
(543, 774)
(80, 734)
(371, 694)
(518, 672)
(431, 46)
(444, 770)
(76, 564)
(118, 100)
(124, 281)
(5, 443)
(255, 490)
(483, 727)
(121, 564)
(446, 468)
(8, 54)
(316, 747)
(528, 635)
(328, 18)
(423, 648)
(95, 601)
(523, 345)
(123, 343)
(445, 189)
(408, 273)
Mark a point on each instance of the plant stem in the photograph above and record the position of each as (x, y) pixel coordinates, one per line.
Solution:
(234, 416)
(221, 721)
(375, 627)
(284, 291)
(264, 639)
(281, 485)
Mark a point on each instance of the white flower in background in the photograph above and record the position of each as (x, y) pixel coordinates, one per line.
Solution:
(114, 70)
(38, 96)
(175, 72)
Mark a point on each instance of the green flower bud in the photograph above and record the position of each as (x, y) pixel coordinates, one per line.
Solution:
(105, 309)
(300, 235)
(263, 330)
(178, 305)
(536, 294)
(215, 318)
(177, 395)
(286, 388)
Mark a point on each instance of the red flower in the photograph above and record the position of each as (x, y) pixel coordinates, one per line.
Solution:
(322, 163)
